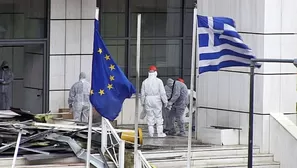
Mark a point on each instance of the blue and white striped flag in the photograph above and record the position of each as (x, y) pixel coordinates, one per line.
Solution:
(220, 45)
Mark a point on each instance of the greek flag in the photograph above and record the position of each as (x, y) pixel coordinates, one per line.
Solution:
(220, 45)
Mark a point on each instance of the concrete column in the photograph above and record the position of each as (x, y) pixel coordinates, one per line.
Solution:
(71, 46)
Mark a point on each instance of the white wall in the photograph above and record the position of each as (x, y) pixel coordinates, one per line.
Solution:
(283, 140)
(71, 46)
(267, 27)
(127, 115)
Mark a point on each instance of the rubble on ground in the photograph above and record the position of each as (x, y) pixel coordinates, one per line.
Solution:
(46, 138)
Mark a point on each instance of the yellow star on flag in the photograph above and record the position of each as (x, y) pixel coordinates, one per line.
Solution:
(101, 92)
(107, 57)
(111, 67)
(92, 92)
(109, 86)
(100, 50)
(111, 78)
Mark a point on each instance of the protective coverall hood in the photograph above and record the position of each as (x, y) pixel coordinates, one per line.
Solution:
(170, 82)
(4, 65)
(152, 74)
(82, 75)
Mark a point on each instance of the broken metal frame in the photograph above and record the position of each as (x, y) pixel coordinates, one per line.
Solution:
(79, 152)
(51, 156)
(62, 127)
(8, 146)
(34, 150)
(107, 129)
(19, 142)
(16, 151)
(31, 150)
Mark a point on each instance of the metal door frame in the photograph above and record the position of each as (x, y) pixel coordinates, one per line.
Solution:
(44, 42)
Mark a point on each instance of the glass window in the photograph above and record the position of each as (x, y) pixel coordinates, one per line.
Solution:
(113, 18)
(159, 18)
(113, 6)
(188, 22)
(23, 19)
(165, 54)
(190, 3)
(165, 43)
(187, 56)
(113, 25)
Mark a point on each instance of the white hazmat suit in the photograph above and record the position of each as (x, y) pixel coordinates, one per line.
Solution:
(6, 78)
(152, 96)
(78, 100)
(178, 102)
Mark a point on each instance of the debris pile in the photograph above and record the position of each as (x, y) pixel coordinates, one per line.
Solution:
(42, 137)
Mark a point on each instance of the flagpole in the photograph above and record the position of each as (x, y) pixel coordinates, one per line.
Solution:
(137, 89)
(90, 118)
(197, 79)
(192, 85)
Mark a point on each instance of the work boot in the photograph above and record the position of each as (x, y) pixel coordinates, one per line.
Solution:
(171, 132)
(151, 130)
(160, 131)
(181, 134)
(162, 135)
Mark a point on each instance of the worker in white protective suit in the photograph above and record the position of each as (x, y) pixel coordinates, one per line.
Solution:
(79, 99)
(177, 105)
(153, 97)
(6, 78)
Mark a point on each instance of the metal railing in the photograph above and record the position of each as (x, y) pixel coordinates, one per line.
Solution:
(141, 161)
(109, 133)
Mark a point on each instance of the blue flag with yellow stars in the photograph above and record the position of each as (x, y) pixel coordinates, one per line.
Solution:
(110, 87)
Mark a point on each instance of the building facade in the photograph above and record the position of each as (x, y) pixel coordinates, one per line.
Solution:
(49, 42)
(24, 40)
(71, 46)
(166, 39)
(269, 28)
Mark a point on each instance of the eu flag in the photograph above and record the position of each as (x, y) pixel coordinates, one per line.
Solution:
(110, 87)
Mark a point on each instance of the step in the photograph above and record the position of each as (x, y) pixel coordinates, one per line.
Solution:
(219, 136)
(22, 162)
(200, 152)
(231, 165)
(211, 160)
(73, 165)
(244, 165)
